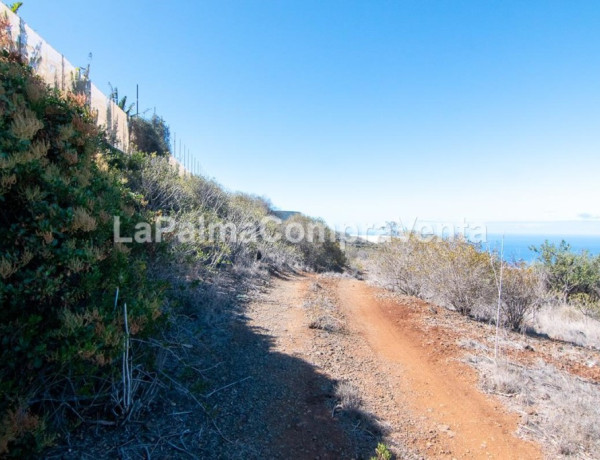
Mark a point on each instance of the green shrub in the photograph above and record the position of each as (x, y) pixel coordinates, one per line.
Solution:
(59, 267)
(150, 136)
(589, 304)
(461, 274)
(569, 274)
(382, 452)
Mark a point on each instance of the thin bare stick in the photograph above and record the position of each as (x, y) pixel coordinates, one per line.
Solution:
(127, 377)
(226, 386)
(101, 422)
(499, 299)
(180, 449)
(116, 298)
(499, 287)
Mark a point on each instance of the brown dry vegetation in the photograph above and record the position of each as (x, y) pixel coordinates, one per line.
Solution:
(549, 373)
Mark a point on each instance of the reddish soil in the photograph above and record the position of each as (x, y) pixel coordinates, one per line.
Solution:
(324, 367)
(439, 390)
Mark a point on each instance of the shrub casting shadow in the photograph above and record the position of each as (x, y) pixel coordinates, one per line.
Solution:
(245, 401)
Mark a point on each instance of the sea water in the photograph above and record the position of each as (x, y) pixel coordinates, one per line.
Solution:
(517, 247)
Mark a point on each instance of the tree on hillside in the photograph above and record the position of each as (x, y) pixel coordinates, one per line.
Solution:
(569, 274)
(150, 136)
(121, 101)
(316, 243)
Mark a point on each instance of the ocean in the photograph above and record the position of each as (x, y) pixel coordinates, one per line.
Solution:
(516, 247)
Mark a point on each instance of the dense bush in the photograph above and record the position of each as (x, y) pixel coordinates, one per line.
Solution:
(59, 267)
(456, 272)
(210, 212)
(522, 292)
(150, 136)
(570, 275)
(237, 228)
(403, 265)
(462, 275)
(317, 243)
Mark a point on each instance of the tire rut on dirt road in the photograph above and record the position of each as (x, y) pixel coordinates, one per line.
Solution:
(439, 390)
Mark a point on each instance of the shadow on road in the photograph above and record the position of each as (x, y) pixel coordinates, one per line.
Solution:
(225, 392)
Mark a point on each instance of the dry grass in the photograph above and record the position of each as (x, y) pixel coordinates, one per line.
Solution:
(504, 379)
(568, 324)
(348, 397)
(560, 411)
(322, 312)
(326, 323)
(315, 286)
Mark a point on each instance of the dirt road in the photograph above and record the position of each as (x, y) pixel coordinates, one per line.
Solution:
(415, 394)
(438, 389)
(324, 367)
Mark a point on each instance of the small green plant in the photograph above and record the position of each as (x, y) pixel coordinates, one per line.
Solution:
(14, 7)
(382, 452)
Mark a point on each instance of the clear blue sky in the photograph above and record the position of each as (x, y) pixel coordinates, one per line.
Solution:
(368, 111)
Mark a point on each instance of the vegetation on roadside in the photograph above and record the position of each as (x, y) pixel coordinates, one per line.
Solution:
(454, 273)
(572, 278)
(67, 338)
(464, 277)
(151, 135)
(75, 302)
(59, 267)
(555, 296)
(382, 452)
(560, 409)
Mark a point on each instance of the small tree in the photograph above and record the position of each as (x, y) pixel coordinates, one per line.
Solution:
(403, 265)
(567, 273)
(461, 274)
(150, 136)
(521, 294)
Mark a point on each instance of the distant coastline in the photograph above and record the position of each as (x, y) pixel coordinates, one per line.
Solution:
(517, 246)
